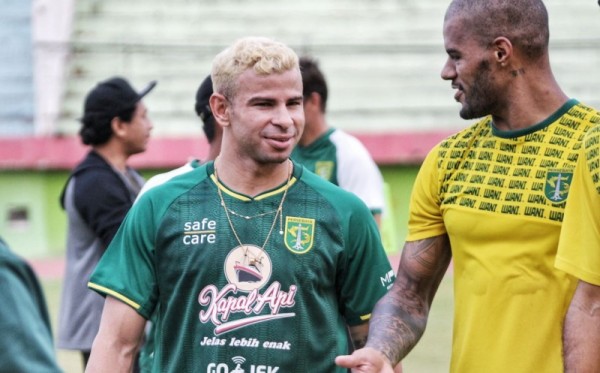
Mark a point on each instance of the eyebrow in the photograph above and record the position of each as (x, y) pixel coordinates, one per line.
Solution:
(270, 99)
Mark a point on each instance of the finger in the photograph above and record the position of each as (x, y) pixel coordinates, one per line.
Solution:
(347, 361)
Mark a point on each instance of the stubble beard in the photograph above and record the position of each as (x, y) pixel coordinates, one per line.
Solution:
(479, 101)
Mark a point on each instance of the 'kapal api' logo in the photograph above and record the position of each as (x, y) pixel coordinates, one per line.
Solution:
(557, 185)
(299, 234)
(248, 269)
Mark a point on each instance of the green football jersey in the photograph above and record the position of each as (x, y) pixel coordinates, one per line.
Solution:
(279, 302)
(343, 160)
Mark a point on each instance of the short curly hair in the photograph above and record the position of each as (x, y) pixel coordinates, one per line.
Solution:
(263, 55)
(96, 127)
(523, 22)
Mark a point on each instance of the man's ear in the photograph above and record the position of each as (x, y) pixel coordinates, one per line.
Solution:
(219, 106)
(503, 50)
(118, 127)
(313, 101)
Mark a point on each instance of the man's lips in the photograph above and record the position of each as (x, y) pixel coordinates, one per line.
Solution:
(459, 92)
(280, 142)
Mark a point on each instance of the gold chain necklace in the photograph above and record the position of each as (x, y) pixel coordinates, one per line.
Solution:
(278, 212)
(249, 217)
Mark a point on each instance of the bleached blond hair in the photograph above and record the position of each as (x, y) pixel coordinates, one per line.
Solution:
(265, 56)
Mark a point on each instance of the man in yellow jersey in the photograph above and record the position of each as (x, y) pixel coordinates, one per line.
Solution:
(491, 198)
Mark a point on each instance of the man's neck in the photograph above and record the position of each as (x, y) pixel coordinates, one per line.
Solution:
(534, 96)
(313, 131)
(115, 157)
(250, 178)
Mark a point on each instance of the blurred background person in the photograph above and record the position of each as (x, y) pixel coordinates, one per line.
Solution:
(331, 153)
(212, 131)
(96, 197)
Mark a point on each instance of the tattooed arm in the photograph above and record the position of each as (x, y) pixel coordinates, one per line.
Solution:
(399, 318)
(359, 333)
(581, 336)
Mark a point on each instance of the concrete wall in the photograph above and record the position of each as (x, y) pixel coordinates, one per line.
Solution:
(382, 57)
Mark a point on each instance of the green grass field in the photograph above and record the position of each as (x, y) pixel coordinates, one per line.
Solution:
(431, 355)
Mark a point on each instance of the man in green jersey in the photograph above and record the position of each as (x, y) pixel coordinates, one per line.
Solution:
(492, 199)
(332, 153)
(25, 337)
(246, 263)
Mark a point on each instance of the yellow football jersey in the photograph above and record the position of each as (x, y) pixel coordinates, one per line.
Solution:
(500, 196)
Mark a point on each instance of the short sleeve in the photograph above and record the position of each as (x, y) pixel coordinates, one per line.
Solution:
(366, 274)
(579, 245)
(425, 215)
(126, 270)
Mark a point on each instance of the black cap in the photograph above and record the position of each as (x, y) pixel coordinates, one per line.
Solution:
(202, 99)
(114, 96)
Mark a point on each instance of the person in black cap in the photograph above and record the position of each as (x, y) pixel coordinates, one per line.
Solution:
(212, 131)
(96, 197)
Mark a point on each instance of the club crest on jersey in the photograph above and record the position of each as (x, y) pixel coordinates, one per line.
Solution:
(324, 169)
(557, 184)
(299, 234)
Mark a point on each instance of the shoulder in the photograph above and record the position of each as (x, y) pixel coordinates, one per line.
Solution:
(95, 171)
(12, 265)
(176, 184)
(590, 118)
(592, 137)
(162, 178)
(466, 138)
(347, 143)
(341, 199)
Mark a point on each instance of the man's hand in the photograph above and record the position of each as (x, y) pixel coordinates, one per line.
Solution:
(365, 360)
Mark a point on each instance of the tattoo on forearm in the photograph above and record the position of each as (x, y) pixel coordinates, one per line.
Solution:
(400, 317)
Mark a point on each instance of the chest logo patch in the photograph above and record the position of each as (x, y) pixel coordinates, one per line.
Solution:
(324, 169)
(557, 184)
(299, 234)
